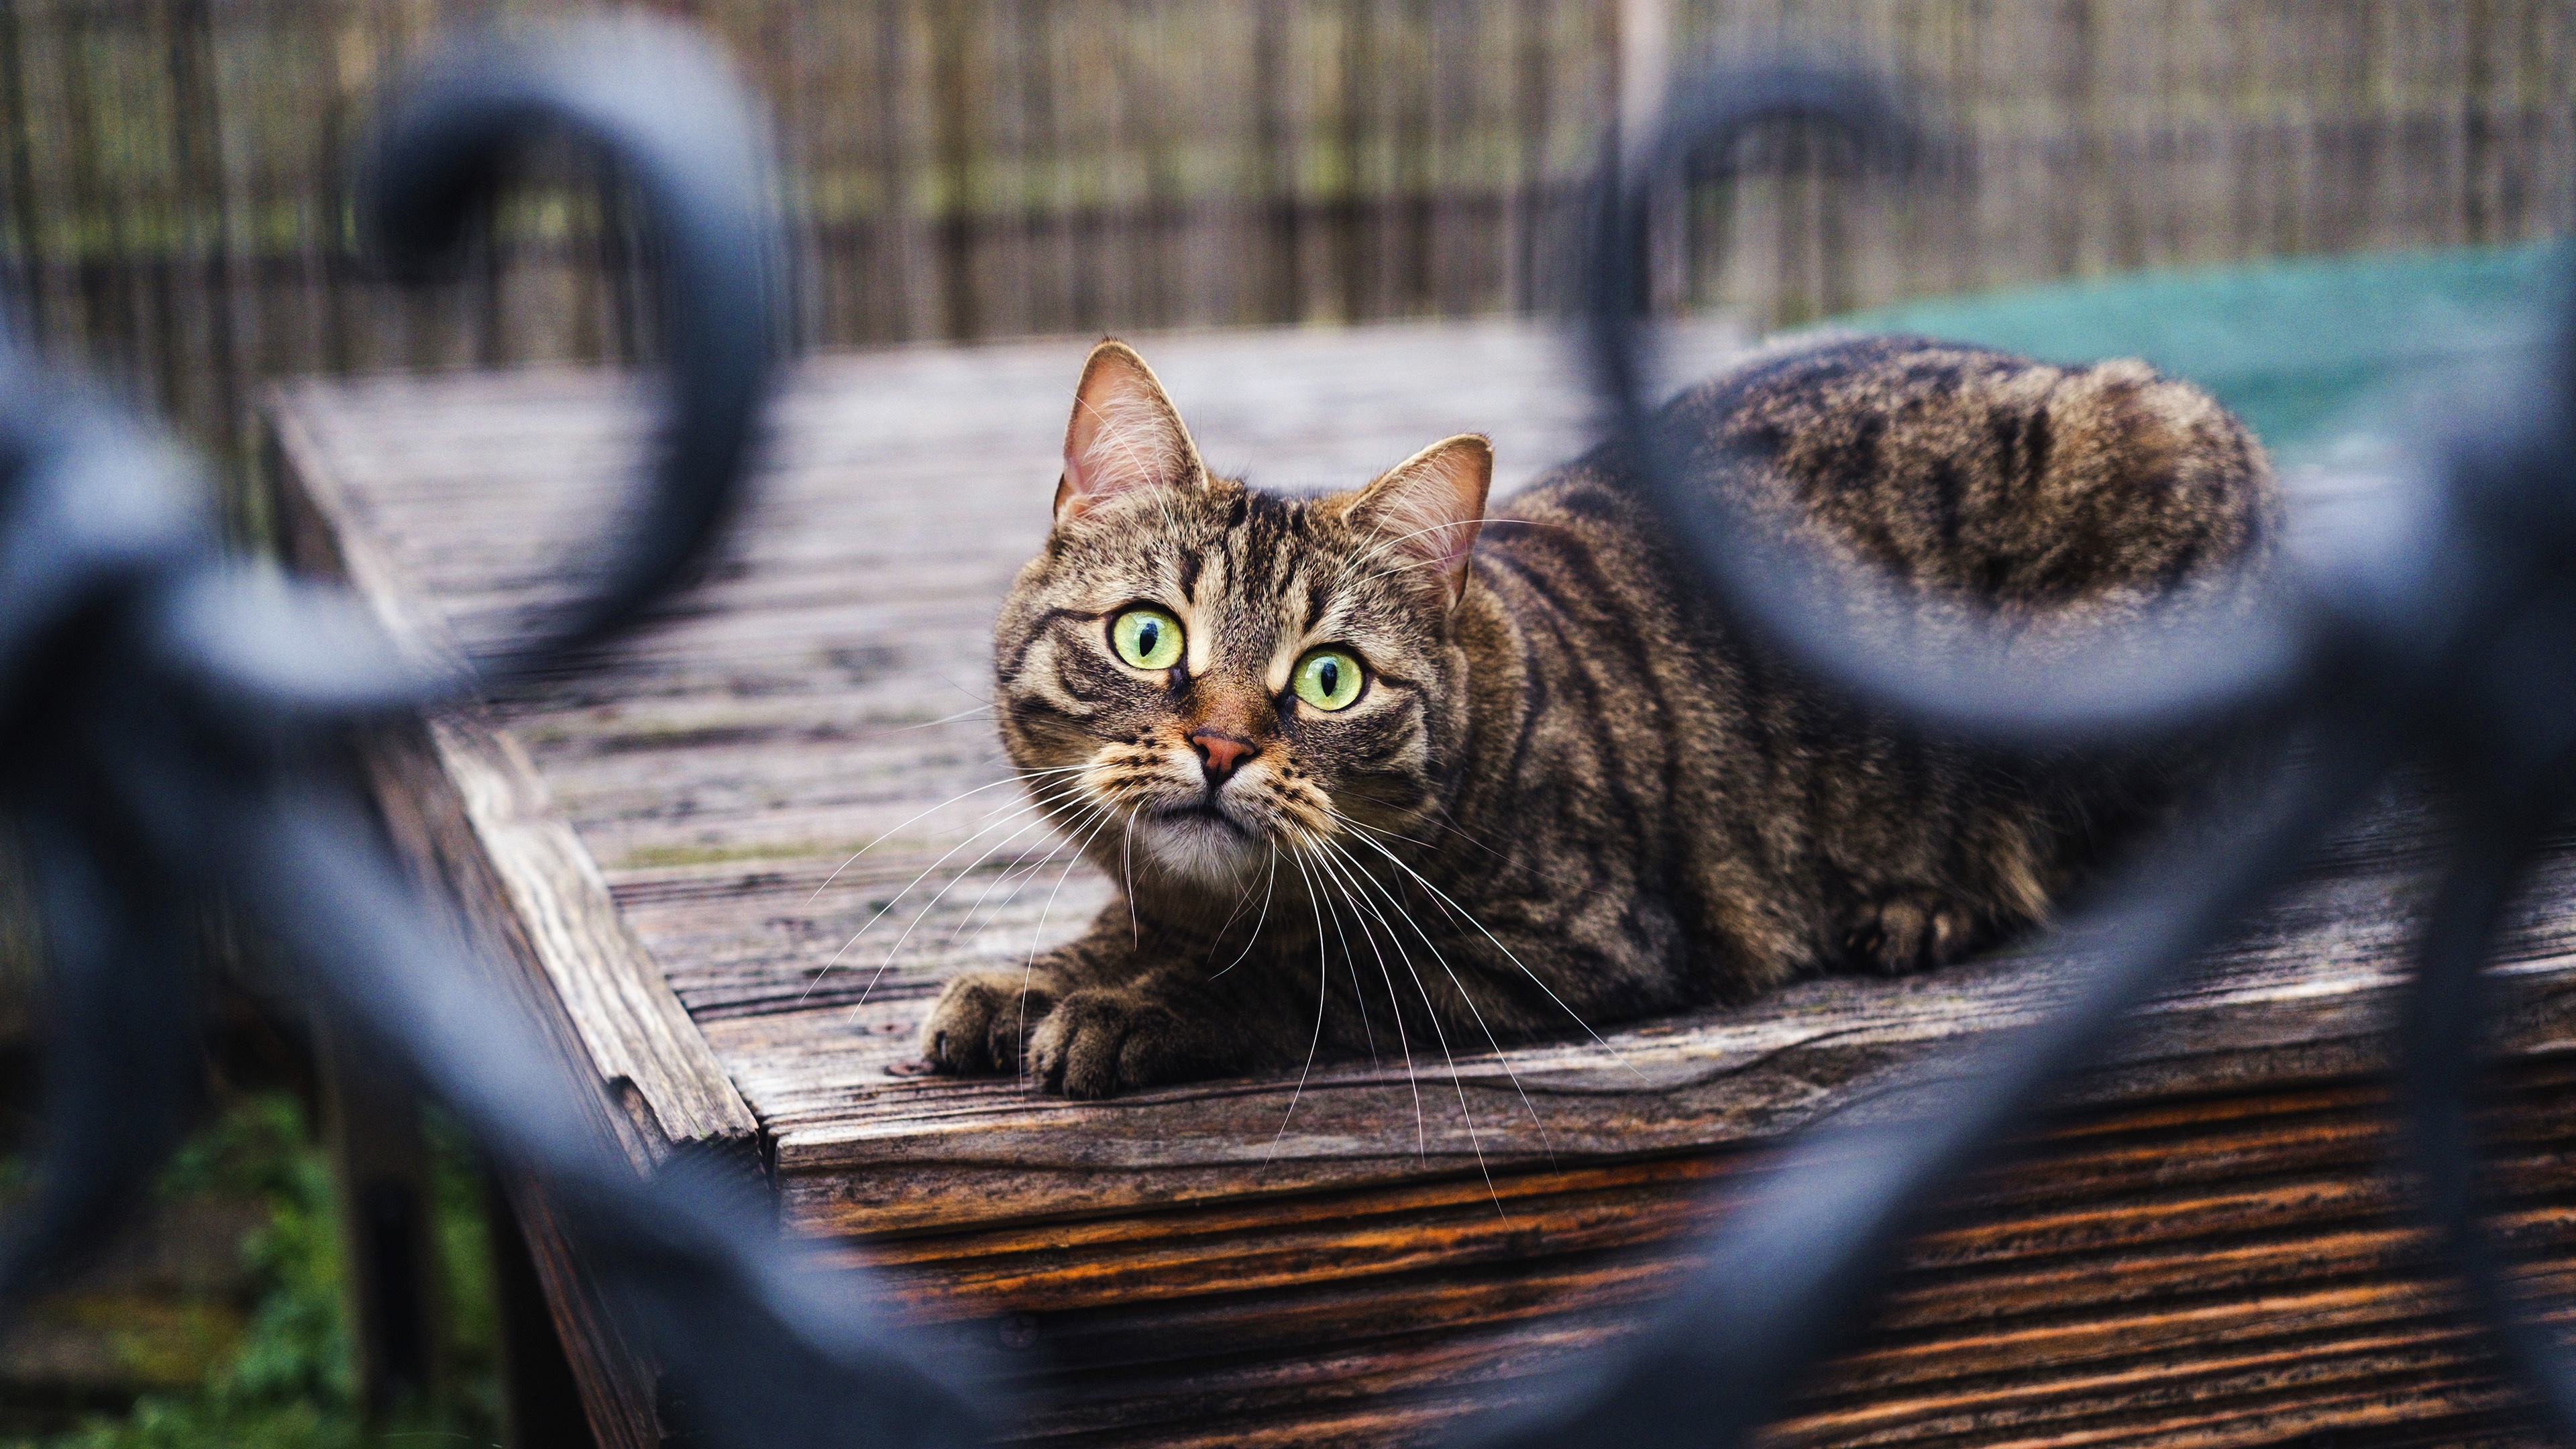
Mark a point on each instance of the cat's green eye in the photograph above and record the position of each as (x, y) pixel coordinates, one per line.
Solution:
(1328, 679)
(1147, 638)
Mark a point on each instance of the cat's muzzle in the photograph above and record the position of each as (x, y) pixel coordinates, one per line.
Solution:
(1203, 842)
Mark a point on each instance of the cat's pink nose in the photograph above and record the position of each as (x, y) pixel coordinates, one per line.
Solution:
(1219, 753)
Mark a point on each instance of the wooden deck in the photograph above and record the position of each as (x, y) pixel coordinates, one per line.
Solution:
(733, 868)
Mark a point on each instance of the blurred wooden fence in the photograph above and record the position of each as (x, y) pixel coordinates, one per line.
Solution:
(972, 168)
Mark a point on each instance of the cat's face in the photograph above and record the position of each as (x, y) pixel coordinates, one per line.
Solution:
(1197, 679)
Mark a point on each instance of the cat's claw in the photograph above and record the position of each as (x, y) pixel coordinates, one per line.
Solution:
(981, 1022)
(1099, 1042)
(1907, 933)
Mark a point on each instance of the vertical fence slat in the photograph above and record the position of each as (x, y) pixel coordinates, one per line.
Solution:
(965, 168)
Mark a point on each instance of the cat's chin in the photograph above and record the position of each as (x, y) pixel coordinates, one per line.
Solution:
(1197, 847)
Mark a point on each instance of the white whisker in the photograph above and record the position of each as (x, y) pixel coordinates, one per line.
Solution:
(866, 991)
(1024, 809)
(1127, 869)
(1422, 1143)
(1501, 1056)
(1044, 850)
(1037, 937)
(932, 904)
(924, 815)
(1257, 924)
(1457, 1083)
(1242, 898)
(1462, 913)
(1323, 986)
(1351, 962)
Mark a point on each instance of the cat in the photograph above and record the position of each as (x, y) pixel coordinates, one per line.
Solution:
(1374, 771)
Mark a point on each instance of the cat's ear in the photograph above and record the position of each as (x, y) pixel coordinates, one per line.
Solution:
(1124, 435)
(1427, 510)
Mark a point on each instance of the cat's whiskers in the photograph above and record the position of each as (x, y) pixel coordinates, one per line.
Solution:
(1022, 775)
(1258, 922)
(1128, 775)
(1018, 867)
(1457, 1083)
(1323, 991)
(1037, 939)
(1463, 914)
(942, 894)
(1358, 995)
(1049, 846)
(1127, 870)
(1057, 850)
(1421, 1139)
(1008, 814)
(1062, 841)
(985, 700)
(1242, 898)
(1439, 818)
(1299, 807)
(933, 724)
(1045, 846)
(1037, 803)
(1501, 1056)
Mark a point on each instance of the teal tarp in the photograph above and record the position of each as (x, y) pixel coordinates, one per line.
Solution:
(2296, 348)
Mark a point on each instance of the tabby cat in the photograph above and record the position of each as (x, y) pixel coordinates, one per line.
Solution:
(1375, 771)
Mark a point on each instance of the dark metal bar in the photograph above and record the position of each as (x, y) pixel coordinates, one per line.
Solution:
(2193, 666)
(2447, 642)
(163, 710)
(1791, 1273)
(166, 708)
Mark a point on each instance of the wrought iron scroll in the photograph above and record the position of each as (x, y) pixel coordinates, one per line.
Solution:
(2445, 638)
(170, 718)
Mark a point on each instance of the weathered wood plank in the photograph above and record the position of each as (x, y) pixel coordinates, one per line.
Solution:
(466, 812)
(2219, 1260)
(2301, 996)
(634, 1036)
(793, 793)
(2201, 1251)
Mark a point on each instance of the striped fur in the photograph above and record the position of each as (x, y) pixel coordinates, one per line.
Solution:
(1566, 797)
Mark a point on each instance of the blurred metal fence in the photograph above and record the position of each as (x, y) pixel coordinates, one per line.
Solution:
(169, 715)
(177, 215)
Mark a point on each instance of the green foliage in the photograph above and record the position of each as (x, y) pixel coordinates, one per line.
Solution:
(288, 1380)
(465, 1256)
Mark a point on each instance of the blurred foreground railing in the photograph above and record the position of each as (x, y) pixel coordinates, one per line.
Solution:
(171, 719)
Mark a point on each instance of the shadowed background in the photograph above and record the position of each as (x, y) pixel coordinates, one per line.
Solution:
(177, 218)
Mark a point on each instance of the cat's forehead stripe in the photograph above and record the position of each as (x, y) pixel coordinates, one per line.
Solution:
(1211, 573)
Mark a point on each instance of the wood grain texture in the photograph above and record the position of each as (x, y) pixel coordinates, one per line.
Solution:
(633, 1034)
(2223, 1270)
(778, 817)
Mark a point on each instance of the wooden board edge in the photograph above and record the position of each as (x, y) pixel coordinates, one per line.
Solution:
(478, 808)
(617, 1383)
(633, 1028)
(1014, 1170)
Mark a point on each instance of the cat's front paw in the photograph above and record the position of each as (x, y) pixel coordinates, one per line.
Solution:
(1910, 932)
(981, 1020)
(1100, 1042)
